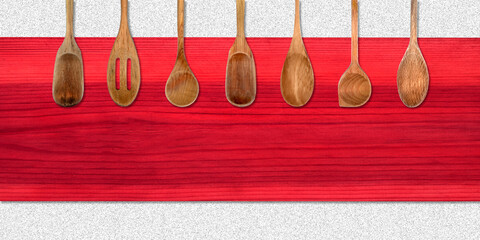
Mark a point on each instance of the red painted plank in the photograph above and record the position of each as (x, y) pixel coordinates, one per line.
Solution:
(152, 151)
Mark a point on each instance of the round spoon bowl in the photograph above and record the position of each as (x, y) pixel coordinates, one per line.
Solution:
(412, 80)
(182, 89)
(354, 89)
(297, 80)
(240, 80)
(68, 80)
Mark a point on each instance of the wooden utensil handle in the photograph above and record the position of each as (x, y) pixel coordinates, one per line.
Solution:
(355, 31)
(124, 19)
(180, 24)
(413, 21)
(69, 17)
(297, 30)
(240, 18)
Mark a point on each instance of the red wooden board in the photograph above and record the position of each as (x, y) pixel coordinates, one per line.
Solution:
(213, 151)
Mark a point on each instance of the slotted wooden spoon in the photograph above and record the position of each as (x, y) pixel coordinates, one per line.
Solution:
(297, 79)
(68, 84)
(412, 75)
(124, 50)
(354, 88)
(241, 83)
(182, 86)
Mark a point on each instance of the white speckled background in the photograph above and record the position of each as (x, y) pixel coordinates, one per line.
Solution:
(219, 220)
(240, 221)
(264, 18)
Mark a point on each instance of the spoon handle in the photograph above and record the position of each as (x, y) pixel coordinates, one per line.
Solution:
(355, 31)
(297, 30)
(124, 19)
(69, 18)
(413, 22)
(241, 18)
(180, 23)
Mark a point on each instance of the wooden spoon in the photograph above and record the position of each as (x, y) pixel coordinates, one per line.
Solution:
(354, 88)
(182, 86)
(68, 83)
(412, 75)
(297, 79)
(124, 50)
(241, 83)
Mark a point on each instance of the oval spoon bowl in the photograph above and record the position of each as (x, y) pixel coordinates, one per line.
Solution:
(241, 76)
(412, 75)
(354, 89)
(412, 78)
(124, 50)
(68, 80)
(182, 86)
(241, 80)
(297, 81)
(182, 89)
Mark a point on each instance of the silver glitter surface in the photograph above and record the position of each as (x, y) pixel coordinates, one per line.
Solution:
(239, 221)
(264, 18)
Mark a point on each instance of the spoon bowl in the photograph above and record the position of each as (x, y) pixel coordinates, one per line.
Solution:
(240, 80)
(182, 89)
(68, 84)
(182, 86)
(354, 87)
(68, 80)
(412, 75)
(297, 80)
(412, 78)
(122, 51)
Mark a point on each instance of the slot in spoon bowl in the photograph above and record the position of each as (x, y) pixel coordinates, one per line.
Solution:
(124, 50)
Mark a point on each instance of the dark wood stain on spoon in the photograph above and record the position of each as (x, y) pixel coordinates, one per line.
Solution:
(68, 83)
(240, 83)
(412, 75)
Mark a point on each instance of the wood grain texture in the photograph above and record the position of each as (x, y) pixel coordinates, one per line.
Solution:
(270, 151)
(241, 76)
(297, 80)
(182, 86)
(412, 75)
(124, 50)
(68, 86)
(354, 87)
